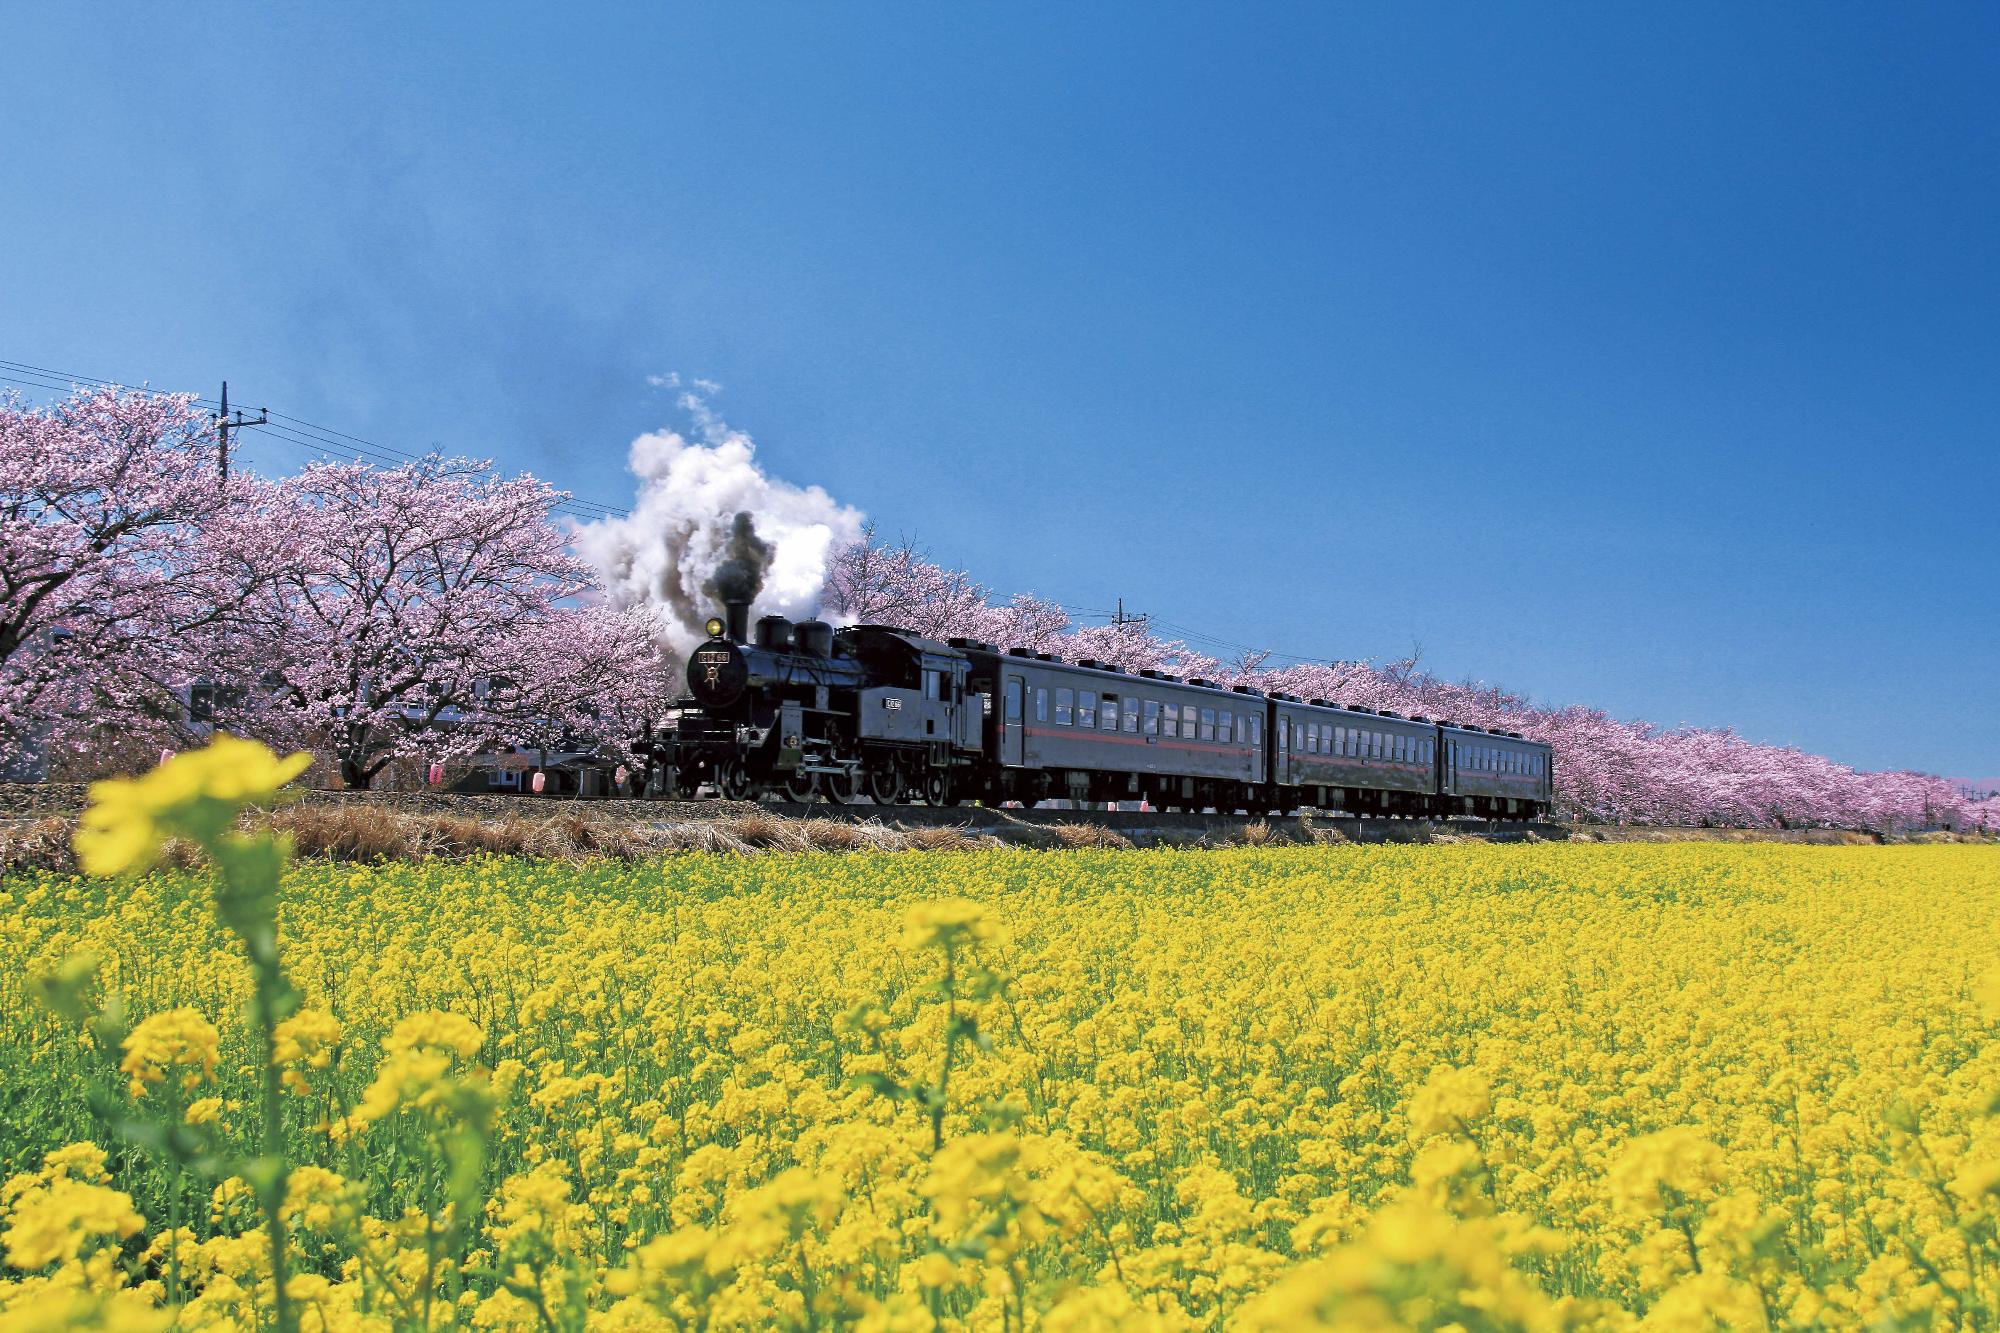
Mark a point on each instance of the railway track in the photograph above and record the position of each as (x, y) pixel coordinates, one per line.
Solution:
(1009, 823)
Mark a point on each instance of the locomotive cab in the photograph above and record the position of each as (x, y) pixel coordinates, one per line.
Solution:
(917, 723)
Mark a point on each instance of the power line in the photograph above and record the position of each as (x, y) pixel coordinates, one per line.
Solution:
(322, 440)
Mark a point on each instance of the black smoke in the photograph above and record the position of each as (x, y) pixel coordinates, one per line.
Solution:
(740, 576)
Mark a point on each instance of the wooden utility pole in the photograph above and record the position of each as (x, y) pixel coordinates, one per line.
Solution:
(224, 423)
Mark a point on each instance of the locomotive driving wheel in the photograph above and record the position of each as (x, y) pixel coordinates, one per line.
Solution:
(801, 786)
(836, 788)
(937, 787)
(883, 784)
(732, 780)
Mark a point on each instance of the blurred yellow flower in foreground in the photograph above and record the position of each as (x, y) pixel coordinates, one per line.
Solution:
(128, 817)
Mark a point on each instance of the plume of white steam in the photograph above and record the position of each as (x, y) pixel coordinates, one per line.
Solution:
(684, 528)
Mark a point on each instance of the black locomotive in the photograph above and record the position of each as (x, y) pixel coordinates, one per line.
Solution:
(813, 712)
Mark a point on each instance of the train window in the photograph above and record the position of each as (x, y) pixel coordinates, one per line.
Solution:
(1299, 736)
(1256, 731)
(1065, 701)
(1225, 730)
(1013, 704)
(931, 683)
(1041, 703)
(1107, 713)
(1086, 708)
(1170, 715)
(1151, 712)
(1353, 746)
(1132, 715)
(1311, 745)
(1208, 724)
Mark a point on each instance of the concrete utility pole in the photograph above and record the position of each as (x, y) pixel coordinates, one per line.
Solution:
(224, 424)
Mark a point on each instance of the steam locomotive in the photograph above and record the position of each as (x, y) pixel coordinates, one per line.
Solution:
(811, 712)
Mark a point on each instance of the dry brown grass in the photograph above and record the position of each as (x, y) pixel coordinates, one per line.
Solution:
(1258, 834)
(37, 844)
(371, 833)
(1089, 835)
(943, 839)
(1323, 836)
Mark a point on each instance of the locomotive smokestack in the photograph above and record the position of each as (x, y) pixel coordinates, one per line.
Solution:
(740, 577)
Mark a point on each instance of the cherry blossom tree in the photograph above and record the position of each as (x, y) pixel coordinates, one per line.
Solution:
(103, 497)
(423, 611)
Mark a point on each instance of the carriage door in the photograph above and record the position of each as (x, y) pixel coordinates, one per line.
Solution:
(1010, 729)
(1284, 739)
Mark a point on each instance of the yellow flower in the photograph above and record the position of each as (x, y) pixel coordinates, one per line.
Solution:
(943, 920)
(1451, 1100)
(128, 817)
(52, 1222)
(177, 1037)
(1677, 1162)
(307, 1038)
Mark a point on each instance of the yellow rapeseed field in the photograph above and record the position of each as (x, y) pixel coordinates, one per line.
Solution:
(1475, 1087)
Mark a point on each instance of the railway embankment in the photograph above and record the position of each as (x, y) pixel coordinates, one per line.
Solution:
(36, 821)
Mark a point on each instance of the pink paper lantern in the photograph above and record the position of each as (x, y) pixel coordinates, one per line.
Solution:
(536, 783)
(437, 775)
(166, 755)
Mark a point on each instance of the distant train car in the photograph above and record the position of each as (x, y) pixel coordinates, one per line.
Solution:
(1355, 759)
(1493, 774)
(1089, 731)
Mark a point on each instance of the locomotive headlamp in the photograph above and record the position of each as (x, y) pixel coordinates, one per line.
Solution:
(714, 627)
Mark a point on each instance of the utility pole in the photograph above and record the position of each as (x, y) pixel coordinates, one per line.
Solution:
(1122, 619)
(224, 423)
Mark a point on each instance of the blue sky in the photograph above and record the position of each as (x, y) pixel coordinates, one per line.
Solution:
(1637, 358)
